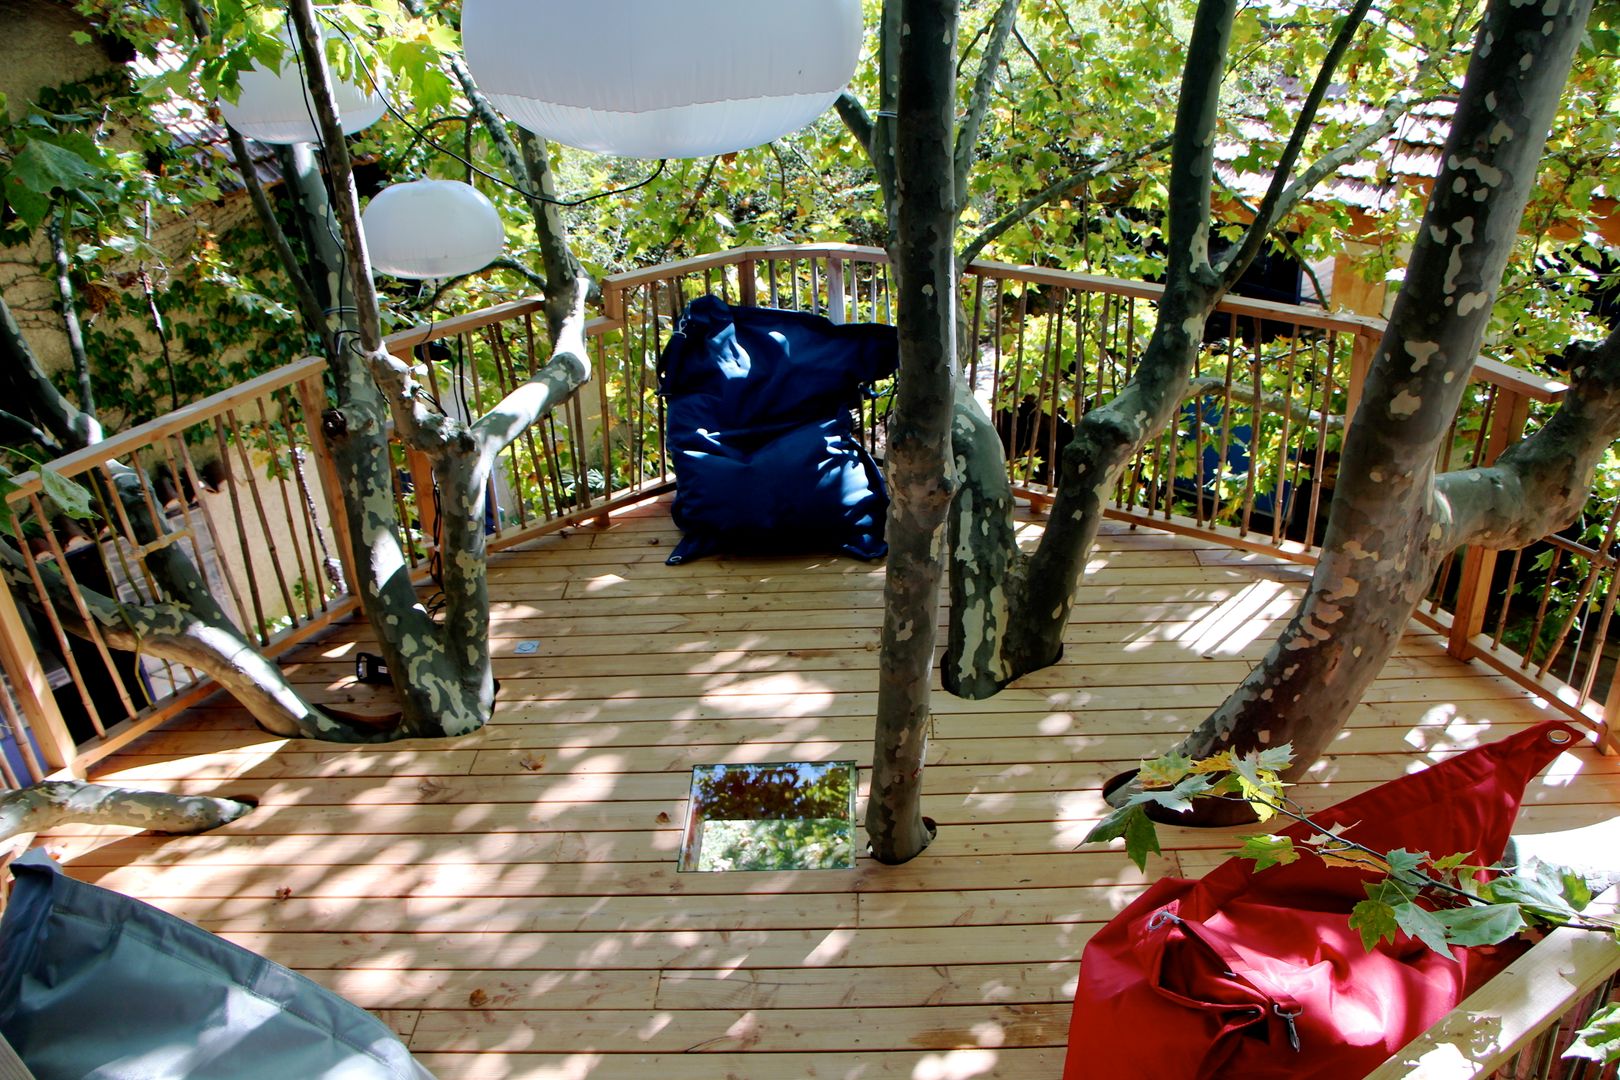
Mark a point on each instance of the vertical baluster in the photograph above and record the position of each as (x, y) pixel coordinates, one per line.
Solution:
(1282, 499)
(1257, 417)
(264, 519)
(25, 745)
(29, 683)
(93, 631)
(606, 408)
(126, 575)
(1541, 609)
(1059, 373)
(314, 536)
(286, 505)
(258, 625)
(1594, 568)
(1507, 414)
(1321, 438)
(312, 396)
(215, 540)
(770, 275)
(119, 525)
(1217, 509)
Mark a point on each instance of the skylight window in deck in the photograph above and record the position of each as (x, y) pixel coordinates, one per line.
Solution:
(795, 815)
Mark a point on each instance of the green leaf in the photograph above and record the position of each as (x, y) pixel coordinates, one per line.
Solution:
(1452, 861)
(43, 167)
(1178, 798)
(1376, 922)
(69, 497)
(1268, 851)
(1131, 822)
(1406, 862)
(1481, 925)
(1599, 1040)
(1422, 924)
(6, 488)
(1528, 888)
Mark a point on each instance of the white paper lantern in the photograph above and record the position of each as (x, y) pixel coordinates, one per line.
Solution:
(275, 107)
(657, 79)
(432, 229)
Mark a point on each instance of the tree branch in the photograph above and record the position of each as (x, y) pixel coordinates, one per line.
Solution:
(857, 119)
(967, 133)
(1240, 258)
(172, 632)
(420, 426)
(503, 263)
(19, 367)
(1538, 485)
(15, 431)
(55, 229)
(568, 370)
(309, 305)
(1051, 193)
(45, 806)
(1192, 147)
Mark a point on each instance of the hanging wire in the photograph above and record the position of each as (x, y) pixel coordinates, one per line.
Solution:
(422, 136)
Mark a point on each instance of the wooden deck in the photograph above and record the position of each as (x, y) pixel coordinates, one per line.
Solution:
(509, 901)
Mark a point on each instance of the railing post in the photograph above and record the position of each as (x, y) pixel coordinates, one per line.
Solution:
(747, 287)
(1508, 419)
(1361, 358)
(27, 675)
(427, 512)
(837, 310)
(312, 395)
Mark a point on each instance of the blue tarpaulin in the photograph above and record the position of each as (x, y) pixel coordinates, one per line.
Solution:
(761, 432)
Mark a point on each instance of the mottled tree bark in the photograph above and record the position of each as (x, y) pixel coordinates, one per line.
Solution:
(45, 806)
(1010, 609)
(918, 456)
(442, 672)
(1393, 520)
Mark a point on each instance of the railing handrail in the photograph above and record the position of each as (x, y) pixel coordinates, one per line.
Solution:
(613, 286)
(1488, 1029)
(127, 442)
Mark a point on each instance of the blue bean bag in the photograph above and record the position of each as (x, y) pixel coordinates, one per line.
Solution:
(761, 434)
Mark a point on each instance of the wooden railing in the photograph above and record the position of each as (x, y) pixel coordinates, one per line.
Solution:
(241, 482)
(1253, 457)
(1517, 1026)
(1251, 461)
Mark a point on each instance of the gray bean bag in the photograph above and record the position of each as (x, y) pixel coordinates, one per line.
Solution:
(97, 986)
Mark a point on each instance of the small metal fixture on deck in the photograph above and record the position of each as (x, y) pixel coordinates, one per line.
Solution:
(794, 815)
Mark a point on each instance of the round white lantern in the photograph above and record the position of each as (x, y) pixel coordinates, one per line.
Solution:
(275, 107)
(650, 79)
(432, 229)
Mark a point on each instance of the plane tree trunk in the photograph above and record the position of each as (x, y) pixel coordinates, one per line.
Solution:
(919, 432)
(1393, 519)
(1010, 608)
(442, 670)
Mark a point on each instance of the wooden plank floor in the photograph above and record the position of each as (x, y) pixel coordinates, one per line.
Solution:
(509, 900)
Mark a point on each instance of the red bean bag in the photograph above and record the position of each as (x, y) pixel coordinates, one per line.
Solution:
(1259, 976)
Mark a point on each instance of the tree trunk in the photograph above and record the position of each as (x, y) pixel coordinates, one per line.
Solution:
(1021, 630)
(918, 456)
(1392, 521)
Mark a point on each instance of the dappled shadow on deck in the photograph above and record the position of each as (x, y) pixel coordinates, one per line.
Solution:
(509, 900)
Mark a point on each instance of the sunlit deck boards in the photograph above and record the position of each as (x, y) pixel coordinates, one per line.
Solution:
(509, 901)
